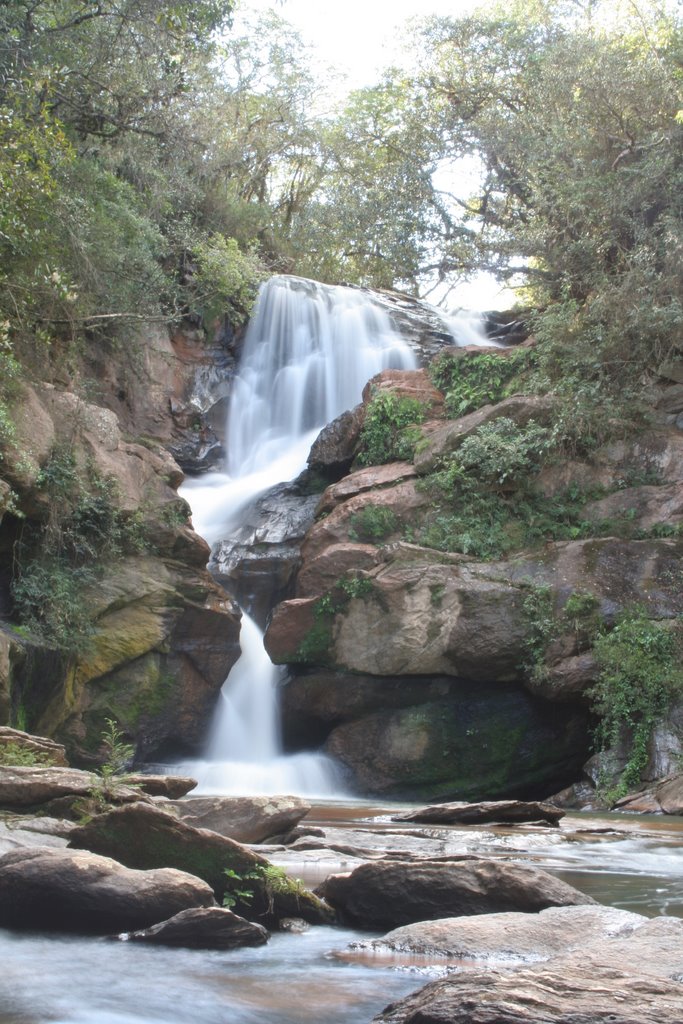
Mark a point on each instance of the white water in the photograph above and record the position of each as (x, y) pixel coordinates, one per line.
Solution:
(309, 351)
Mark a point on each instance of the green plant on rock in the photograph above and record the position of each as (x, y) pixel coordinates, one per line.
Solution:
(503, 454)
(390, 430)
(468, 382)
(17, 754)
(372, 524)
(541, 627)
(640, 677)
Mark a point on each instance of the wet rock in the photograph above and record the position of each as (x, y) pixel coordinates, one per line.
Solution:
(337, 444)
(387, 894)
(513, 938)
(630, 980)
(665, 797)
(203, 928)
(170, 786)
(244, 819)
(143, 836)
(501, 811)
(258, 564)
(45, 751)
(77, 891)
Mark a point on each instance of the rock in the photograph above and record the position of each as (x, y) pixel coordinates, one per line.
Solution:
(77, 891)
(640, 507)
(387, 894)
(334, 563)
(567, 679)
(258, 563)
(203, 928)
(44, 750)
(142, 836)
(22, 786)
(170, 786)
(20, 833)
(670, 399)
(442, 438)
(413, 384)
(501, 811)
(669, 795)
(665, 797)
(336, 446)
(511, 938)
(629, 980)
(362, 481)
(491, 741)
(244, 819)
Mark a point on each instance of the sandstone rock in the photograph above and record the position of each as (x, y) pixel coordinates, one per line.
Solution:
(414, 384)
(362, 481)
(244, 819)
(511, 938)
(567, 679)
(322, 573)
(18, 834)
(669, 795)
(146, 837)
(76, 891)
(640, 507)
(443, 438)
(630, 980)
(387, 894)
(23, 786)
(44, 750)
(203, 928)
(170, 786)
(506, 811)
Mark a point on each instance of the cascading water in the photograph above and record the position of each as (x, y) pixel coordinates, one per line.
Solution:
(309, 351)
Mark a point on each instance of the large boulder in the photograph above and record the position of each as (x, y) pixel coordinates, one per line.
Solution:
(77, 891)
(142, 836)
(387, 894)
(629, 980)
(203, 928)
(246, 819)
(23, 786)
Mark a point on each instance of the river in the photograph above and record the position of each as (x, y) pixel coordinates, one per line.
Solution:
(627, 862)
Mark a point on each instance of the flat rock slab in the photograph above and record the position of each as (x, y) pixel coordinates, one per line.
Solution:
(171, 786)
(77, 891)
(203, 928)
(386, 894)
(509, 938)
(500, 811)
(244, 819)
(23, 787)
(634, 980)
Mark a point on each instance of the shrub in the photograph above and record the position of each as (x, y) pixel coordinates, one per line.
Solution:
(500, 453)
(390, 431)
(372, 524)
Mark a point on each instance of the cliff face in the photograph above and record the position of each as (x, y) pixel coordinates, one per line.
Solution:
(108, 610)
(431, 672)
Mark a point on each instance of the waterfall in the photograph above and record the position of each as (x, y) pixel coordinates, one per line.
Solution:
(309, 351)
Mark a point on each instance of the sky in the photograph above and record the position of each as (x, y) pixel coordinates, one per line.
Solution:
(359, 38)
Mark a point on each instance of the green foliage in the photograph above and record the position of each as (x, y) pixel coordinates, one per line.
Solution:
(541, 626)
(471, 381)
(16, 754)
(503, 454)
(226, 280)
(372, 524)
(236, 891)
(117, 752)
(59, 559)
(640, 676)
(390, 430)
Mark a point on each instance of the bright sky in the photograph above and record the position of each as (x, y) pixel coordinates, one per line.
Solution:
(360, 37)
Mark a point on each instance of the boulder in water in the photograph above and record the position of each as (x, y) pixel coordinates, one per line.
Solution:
(203, 928)
(246, 819)
(503, 811)
(387, 894)
(78, 891)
